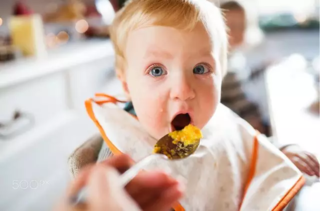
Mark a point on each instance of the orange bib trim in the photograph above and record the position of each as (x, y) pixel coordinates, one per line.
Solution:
(288, 196)
(254, 156)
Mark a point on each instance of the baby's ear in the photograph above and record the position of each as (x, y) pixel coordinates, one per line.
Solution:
(122, 78)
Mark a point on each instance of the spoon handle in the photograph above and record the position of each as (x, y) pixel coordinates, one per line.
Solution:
(125, 178)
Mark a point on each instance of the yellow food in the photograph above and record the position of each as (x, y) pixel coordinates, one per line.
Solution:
(188, 135)
(156, 149)
(179, 144)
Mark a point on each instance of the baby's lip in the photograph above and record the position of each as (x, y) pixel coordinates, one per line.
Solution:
(171, 128)
(182, 111)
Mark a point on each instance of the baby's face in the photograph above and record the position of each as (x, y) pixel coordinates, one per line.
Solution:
(172, 77)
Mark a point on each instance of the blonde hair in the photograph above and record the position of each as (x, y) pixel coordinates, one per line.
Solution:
(180, 14)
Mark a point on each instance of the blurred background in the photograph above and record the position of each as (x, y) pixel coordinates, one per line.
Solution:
(55, 54)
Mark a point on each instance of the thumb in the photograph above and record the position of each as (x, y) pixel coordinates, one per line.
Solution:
(105, 191)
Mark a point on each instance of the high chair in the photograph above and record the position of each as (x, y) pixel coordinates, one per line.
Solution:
(88, 152)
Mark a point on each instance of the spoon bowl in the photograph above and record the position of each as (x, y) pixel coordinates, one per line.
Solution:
(175, 149)
(179, 144)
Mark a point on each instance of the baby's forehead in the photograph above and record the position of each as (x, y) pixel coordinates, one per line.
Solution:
(154, 39)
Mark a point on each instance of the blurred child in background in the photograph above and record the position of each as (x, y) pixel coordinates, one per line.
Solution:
(234, 96)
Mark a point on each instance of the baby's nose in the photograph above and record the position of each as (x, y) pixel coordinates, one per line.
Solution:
(182, 89)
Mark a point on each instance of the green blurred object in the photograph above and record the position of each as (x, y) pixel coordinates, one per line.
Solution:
(286, 21)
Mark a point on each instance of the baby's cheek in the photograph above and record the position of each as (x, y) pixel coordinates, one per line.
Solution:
(151, 116)
(150, 105)
(209, 101)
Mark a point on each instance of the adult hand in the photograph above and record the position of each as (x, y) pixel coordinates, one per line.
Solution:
(153, 190)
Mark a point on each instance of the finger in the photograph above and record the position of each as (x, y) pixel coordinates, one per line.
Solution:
(167, 199)
(69, 207)
(148, 185)
(105, 191)
(99, 188)
(147, 196)
(120, 162)
(73, 189)
(307, 162)
(149, 180)
(315, 163)
(303, 167)
(79, 181)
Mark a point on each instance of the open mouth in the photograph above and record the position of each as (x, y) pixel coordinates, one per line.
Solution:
(180, 121)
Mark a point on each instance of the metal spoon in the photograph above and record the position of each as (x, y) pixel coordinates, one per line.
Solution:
(175, 150)
(167, 150)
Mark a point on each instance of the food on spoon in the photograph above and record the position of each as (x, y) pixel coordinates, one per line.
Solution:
(183, 143)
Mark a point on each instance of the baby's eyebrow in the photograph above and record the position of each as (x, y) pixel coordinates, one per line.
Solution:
(156, 52)
(205, 52)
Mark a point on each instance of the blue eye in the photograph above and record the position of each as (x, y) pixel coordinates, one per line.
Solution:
(157, 71)
(200, 69)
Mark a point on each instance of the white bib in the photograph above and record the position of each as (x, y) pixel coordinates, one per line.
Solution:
(234, 168)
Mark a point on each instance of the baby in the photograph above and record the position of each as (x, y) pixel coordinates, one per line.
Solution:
(171, 57)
